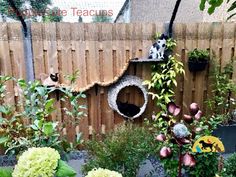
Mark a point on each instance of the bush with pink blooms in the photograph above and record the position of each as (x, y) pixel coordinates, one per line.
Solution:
(176, 137)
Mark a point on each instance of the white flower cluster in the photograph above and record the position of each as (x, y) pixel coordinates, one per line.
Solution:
(37, 162)
(103, 173)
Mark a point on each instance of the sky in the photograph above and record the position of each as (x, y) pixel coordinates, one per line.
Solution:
(73, 8)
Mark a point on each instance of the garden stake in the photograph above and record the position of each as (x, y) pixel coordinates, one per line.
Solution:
(180, 161)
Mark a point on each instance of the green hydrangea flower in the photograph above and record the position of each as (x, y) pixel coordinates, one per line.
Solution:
(103, 173)
(37, 162)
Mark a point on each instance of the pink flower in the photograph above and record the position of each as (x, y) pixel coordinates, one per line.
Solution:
(173, 109)
(188, 160)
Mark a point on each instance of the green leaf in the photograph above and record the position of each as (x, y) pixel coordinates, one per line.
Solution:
(175, 83)
(48, 128)
(3, 139)
(82, 107)
(34, 127)
(79, 137)
(2, 120)
(37, 124)
(83, 95)
(22, 83)
(64, 170)
(6, 172)
(40, 90)
(49, 104)
(202, 5)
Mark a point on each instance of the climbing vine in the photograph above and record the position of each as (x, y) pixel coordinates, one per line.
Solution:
(163, 79)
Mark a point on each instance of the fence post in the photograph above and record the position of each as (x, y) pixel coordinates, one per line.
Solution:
(28, 52)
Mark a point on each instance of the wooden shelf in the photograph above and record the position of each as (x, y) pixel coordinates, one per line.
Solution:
(144, 60)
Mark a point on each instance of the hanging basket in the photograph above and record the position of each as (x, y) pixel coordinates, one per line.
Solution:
(195, 66)
(115, 89)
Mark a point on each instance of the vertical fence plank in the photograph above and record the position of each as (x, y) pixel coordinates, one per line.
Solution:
(65, 68)
(92, 59)
(190, 44)
(79, 64)
(228, 44)
(229, 48)
(216, 54)
(204, 31)
(108, 114)
(38, 52)
(64, 48)
(83, 125)
(179, 36)
(79, 61)
(50, 47)
(121, 45)
(148, 30)
(234, 56)
(216, 42)
(51, 62)
(5, 63)
(107, 63)
(16, 50)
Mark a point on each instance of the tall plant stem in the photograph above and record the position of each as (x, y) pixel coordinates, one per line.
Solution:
(180, 161)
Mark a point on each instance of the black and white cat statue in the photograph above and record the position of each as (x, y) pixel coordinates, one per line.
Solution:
(158, 49)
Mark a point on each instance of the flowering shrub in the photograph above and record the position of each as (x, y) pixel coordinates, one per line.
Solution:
(176, 137)
(100, 172)
(37, 162)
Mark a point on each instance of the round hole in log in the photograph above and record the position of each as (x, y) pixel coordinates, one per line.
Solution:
(128, 97)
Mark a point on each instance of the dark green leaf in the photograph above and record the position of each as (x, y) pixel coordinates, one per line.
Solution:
(202, 4)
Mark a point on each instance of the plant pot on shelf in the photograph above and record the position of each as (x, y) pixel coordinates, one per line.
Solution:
(195, 66)
(227, 134)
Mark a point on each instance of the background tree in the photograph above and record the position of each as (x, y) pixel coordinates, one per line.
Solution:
(102, 18)
(213, 4)
(33, 5)
(51, 17)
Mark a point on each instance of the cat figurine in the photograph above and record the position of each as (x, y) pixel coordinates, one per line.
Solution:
(158, 49)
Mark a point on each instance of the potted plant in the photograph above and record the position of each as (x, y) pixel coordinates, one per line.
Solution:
(223, 106)
(198, 60)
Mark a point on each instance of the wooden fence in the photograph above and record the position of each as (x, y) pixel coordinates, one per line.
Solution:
(102, 52)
